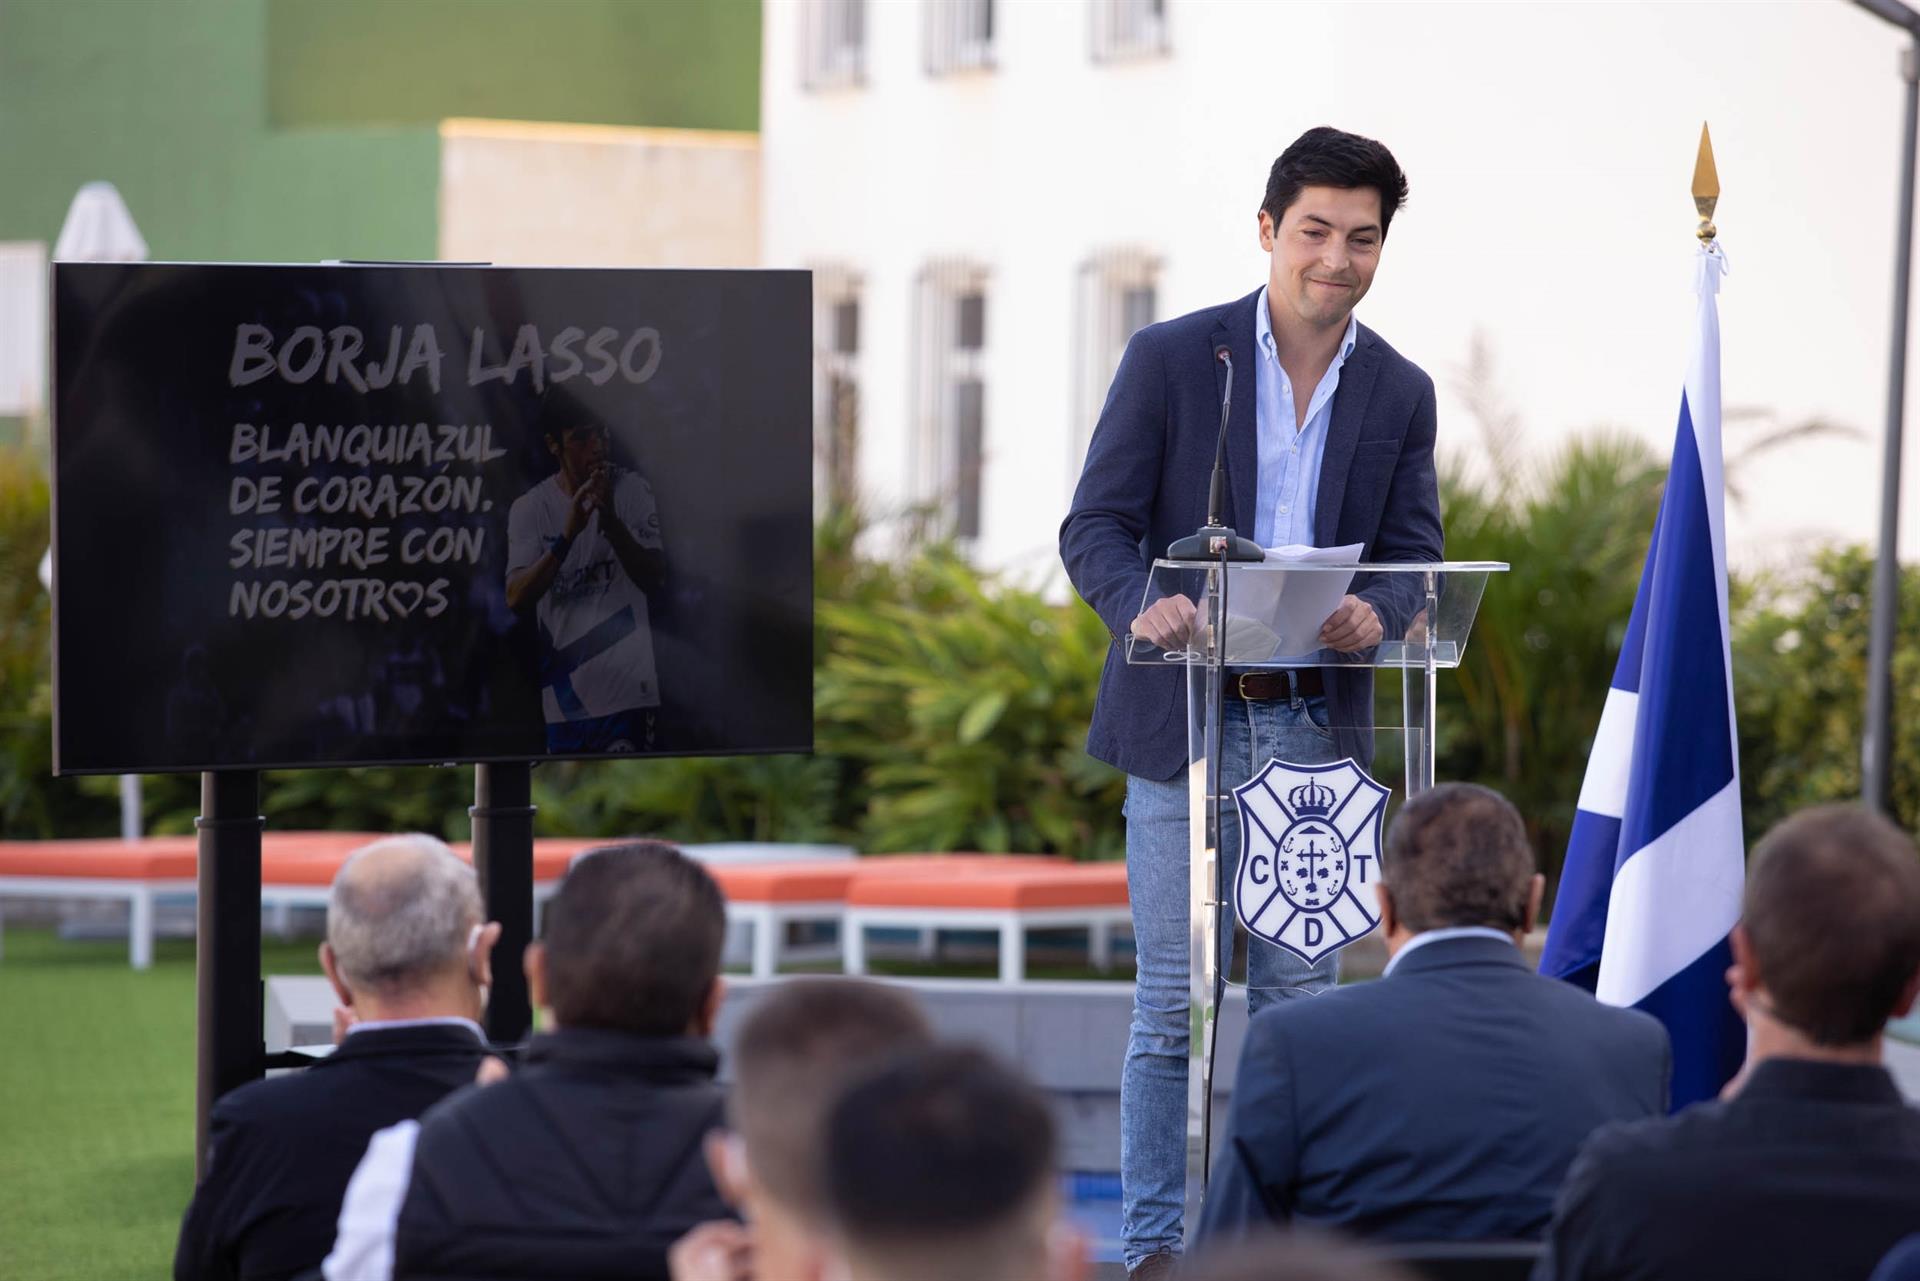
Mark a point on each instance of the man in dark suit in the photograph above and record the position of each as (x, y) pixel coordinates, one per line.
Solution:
(407, 954)
(1809, 1163)
(1330, 442)
(1445, 1101)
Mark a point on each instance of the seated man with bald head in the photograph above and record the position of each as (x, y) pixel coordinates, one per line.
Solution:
(1445, 1101)
(407, 953)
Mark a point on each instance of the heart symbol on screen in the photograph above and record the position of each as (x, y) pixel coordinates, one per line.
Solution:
(397, 591)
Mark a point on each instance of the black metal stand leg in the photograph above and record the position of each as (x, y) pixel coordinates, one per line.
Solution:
(227, 954)
(502, 815)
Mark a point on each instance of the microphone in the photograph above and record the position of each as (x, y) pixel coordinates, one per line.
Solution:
(1214, 541)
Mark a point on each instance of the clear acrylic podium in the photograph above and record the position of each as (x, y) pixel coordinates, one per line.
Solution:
(1266, 615)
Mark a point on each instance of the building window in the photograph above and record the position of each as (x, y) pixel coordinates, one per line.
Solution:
(949, 440)
(834, 49)
(958, 35)
(1128, 29)
(1116, 295)
(836, 410)
(23, 328)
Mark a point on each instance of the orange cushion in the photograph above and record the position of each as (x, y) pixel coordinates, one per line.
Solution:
(955, 864)
(1010, 889)
(307, 858)
(314, 859)
(827, 880)
(157, 858)
(551, 854)
(823, 881)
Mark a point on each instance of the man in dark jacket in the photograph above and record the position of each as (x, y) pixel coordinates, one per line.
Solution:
(587, 1162)
(1445, 1101)
(1809, 1164)
(408, 955)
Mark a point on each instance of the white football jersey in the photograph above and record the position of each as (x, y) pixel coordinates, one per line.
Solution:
(593, 619)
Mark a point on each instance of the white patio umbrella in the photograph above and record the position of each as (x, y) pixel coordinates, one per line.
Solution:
(99, 228)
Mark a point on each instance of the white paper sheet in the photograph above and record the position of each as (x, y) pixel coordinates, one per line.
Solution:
(1273, 614)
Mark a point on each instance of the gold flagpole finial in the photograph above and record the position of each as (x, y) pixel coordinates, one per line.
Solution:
(1706, 187)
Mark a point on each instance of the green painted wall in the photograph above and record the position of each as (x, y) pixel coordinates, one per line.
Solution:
(692, 64)
(167, 99)
(293, 130)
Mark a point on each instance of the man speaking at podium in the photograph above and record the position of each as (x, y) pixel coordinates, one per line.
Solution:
(1329, 442)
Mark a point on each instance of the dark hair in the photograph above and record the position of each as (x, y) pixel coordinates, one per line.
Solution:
(796, 1051)
(1833, 915)
(1457, 854)
(633, 940)
(1327, 157)
(942, 1150)
(561, 409)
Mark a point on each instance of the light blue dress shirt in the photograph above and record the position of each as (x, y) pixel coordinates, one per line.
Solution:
(1289, 474)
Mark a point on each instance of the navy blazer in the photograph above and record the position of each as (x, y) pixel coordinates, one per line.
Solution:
(283, 1149)
(1145, 484)
(1441, 1103)
(1812, 1170)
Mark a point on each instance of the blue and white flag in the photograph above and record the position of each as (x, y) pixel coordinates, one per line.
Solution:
(1655, 865)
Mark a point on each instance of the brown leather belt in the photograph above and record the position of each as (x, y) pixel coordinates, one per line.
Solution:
(1268, 685)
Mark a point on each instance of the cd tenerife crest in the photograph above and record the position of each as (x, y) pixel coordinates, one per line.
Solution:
(1309, 855)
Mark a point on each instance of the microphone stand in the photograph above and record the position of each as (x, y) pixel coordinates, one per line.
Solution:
(1214, 539)
(1219, 546)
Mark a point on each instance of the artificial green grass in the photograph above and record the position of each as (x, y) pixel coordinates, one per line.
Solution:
(96, 1103)
(96, 1096)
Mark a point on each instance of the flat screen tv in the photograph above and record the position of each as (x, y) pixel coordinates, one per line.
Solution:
(391, 514)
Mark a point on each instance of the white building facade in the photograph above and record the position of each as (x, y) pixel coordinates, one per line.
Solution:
(995, 193)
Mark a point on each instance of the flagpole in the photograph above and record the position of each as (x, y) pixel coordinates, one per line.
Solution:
(1650, 890)
(1876, 747)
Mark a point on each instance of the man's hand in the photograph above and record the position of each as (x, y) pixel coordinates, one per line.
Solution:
(1354, 626)
(601, 483)
(1167, 623)
(719, 1251)
(580, 510)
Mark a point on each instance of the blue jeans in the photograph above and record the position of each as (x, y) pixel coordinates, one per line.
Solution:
(1153, 1084)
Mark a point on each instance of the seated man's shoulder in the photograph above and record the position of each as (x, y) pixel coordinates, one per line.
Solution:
(1352, 1007)
(476, 1120)
(1652, 1160)
(1578, 1004)
(477, 1104)
(298, 1099)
